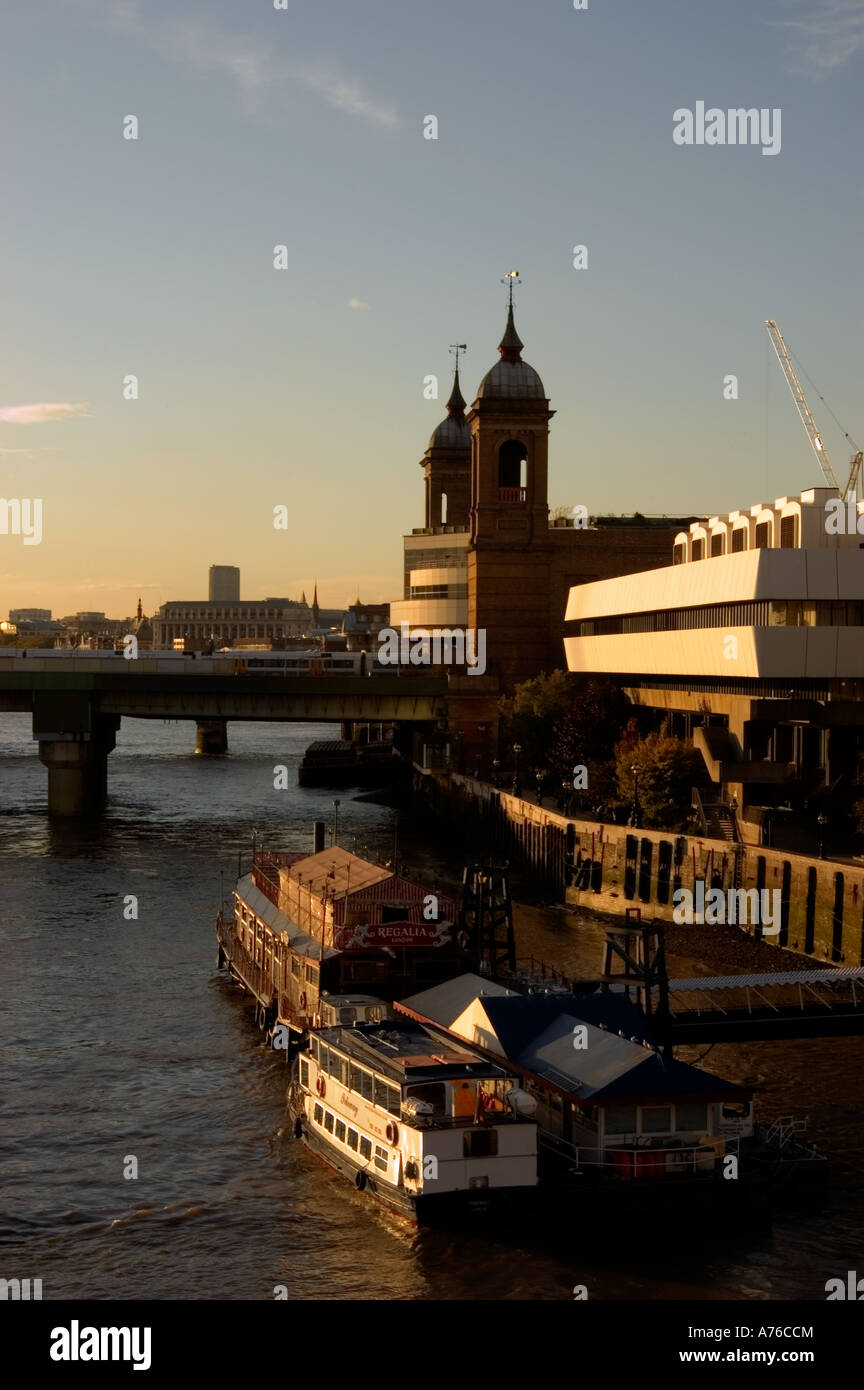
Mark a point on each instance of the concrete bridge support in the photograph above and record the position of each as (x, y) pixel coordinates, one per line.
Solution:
(211, 736)
(78, 768)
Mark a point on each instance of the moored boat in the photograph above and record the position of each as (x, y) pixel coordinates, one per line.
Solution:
(431, 1132)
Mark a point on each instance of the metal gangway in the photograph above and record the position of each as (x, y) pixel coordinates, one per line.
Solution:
(825, 1002)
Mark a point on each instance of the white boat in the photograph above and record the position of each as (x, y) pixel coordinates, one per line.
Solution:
(431, 1132)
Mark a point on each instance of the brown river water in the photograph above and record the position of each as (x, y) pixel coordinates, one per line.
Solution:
(121, 1041)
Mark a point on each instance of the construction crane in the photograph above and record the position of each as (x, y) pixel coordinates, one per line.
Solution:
(809, 423)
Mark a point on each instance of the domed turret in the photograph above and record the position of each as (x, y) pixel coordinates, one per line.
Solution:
(511, 377)
(454, 432)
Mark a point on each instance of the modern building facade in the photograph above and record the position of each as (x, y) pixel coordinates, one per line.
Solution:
(752, 640)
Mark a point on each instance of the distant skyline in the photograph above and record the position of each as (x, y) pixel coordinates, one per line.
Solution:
(304, 127)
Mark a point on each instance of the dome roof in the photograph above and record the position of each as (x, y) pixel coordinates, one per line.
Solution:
(511, 377)
(454, 432)
(451, 434)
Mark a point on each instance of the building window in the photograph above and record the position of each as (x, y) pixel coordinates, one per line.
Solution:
(739, 539)
(656, 1119)
(697, 549)
(763, 536)
(679, 554)
(621, 1119)
(718, 544)
(692, 1117)
(788, 532)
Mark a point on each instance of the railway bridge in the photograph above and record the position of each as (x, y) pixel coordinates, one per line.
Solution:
(76, 712)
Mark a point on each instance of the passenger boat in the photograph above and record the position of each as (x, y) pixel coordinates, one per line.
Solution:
(430, 1132)
(303, 932)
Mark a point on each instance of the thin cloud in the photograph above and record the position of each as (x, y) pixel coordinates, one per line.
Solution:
(41, 413)
(255, 67)
(826, 38)
(357, 304)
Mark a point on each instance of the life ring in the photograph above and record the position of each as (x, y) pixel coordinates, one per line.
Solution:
(462, 941)
(360, 1180)
(303, 1002)
(321, 1087)
(392, 1132)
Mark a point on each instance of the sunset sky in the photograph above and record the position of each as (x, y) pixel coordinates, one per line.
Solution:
(304, 127)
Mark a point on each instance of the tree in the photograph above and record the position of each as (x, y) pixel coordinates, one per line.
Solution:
(667, 768)
(530, 715)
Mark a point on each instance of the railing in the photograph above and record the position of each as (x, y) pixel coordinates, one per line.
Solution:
(251, 973)
(639, 1160)
(512, 494)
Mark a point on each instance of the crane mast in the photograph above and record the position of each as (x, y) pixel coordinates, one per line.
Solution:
(804, 410)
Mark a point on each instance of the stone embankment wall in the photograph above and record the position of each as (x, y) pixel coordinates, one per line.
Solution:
(612, 868)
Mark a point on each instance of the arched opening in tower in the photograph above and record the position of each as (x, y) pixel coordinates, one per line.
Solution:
(512, 467)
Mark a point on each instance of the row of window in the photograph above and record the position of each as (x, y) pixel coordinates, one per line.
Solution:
(260, 943)
(716, 545)
(371, 1087)
(752, 613)
(656, 1119)
(438, 591)
(344, 1133)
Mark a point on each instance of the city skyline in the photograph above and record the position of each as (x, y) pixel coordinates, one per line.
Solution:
(304, 387)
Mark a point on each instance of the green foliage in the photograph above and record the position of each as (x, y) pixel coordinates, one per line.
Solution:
(529, 717)
(667, 769)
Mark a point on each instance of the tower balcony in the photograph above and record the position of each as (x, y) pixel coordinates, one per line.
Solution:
(513, 496)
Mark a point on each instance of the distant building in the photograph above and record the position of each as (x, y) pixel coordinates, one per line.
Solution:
(224, 584)
(224, 624)
(362, 623)
(29, 615)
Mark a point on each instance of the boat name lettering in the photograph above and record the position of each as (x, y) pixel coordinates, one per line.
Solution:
(348, 1103)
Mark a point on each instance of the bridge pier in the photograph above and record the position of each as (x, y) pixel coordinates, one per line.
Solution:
(78, 768)
(211, 736)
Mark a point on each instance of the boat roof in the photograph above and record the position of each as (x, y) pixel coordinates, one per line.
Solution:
(337, 869)
(537, 1033)
(408, 1053)
(270, 915)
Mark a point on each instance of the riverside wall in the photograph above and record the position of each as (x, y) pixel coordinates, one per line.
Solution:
(612, 868)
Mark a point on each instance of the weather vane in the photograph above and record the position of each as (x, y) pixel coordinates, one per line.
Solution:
(456, 348)
(511, 278)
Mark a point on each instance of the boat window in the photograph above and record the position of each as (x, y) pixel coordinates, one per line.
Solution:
(304, 1073)
(324, 1057)
(373, 1015)
(381, 1158)
(656, 1119)
(340, 1130)
(328, 1122)
(367, 1085)
(480, 1143)
(355, 1077)
(312, 974)
(353, 1136)
(621, 1119)
(433, 1095)
(313, 1047)
(319, 1114)
(365, 1147)
(339, 1067)
(692, 1117)
(295, 966)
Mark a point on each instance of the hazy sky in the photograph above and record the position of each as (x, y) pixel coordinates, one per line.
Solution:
(304, 127)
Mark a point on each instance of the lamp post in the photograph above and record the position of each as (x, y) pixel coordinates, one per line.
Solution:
(335, 820)
(822, 822)
(496, 773)
(540, 777)
(517, 789)
(566, 791)
(635, 809)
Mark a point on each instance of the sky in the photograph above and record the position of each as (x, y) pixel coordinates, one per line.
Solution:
(303, 387)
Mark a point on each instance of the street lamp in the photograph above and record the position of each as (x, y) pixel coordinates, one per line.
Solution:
(335, 820)
(540, 776)
(635, 809)
(496, 773)
(822, 822)
(517, 789)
